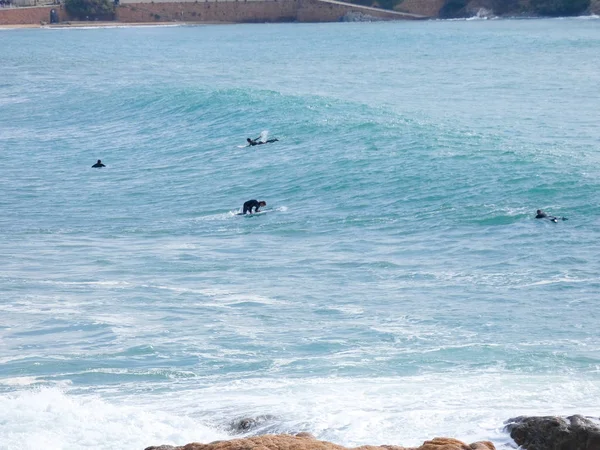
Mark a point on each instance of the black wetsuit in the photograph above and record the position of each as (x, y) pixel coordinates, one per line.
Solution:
(543, 215)
(98, 164)
(249, 205)
(255, 142)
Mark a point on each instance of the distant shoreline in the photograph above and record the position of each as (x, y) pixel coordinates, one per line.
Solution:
(117, 24)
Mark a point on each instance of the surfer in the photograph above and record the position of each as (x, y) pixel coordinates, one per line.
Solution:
(253, 204)
(542, 215)
(98, 164)
(257, 141)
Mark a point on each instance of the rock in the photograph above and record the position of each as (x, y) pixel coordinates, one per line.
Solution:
(304, 434)
(454, 444)
(305, 441)
(246, 424)
(554, 433)
(356, 16)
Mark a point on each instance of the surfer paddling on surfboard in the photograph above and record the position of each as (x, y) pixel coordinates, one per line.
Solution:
(262, 139)
(247, 208)
(253, 142)
(542, 215)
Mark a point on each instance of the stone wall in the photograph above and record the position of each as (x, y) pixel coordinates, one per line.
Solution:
(429, 8)
(29, 16)
(244, 11)
(203, 11)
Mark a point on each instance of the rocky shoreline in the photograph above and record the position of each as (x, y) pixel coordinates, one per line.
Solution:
(529, 433)
(305, 441)
(455, 9)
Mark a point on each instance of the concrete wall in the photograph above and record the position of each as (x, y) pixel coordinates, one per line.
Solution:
(28, 16)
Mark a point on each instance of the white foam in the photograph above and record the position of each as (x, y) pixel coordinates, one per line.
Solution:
(402, 410)
(560, 280)
(50, 419)
(348, 411)
(19, 381)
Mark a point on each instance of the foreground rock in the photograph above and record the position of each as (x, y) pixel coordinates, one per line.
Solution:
(554, 433)
(305, 441)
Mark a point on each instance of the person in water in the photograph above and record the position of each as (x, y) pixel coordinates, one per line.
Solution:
(253, 142)
(253, 204)
(98, 164)
(542, 215)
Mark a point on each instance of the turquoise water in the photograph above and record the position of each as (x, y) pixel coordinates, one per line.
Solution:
(397, 289)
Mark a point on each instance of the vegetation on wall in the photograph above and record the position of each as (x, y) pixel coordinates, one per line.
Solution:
(90, 9)
(388, 4)
(559, 7)
(501, 7)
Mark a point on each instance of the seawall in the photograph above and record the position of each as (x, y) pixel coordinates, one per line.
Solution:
(217, 11)
(430, 8)
(249, 11)
(31, 15)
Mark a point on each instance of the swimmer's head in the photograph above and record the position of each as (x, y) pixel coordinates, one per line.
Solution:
(261, 203)
(249, 140)
(539, 211)
(99, 162)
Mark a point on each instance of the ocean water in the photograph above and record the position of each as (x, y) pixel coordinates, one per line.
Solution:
(398, 287)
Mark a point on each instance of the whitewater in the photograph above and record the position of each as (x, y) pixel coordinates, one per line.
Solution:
(397, 288)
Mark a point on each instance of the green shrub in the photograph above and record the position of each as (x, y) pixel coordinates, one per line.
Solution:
(506, 6)
(90, 9)
(453, 9)
(388, 4)
(556, 8)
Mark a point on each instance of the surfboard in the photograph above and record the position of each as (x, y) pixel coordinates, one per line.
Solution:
(260, 213)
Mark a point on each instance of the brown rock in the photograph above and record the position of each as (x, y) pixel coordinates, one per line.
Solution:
(305, 441)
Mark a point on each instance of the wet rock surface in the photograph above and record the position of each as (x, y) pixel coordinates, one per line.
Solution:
(555, 433)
